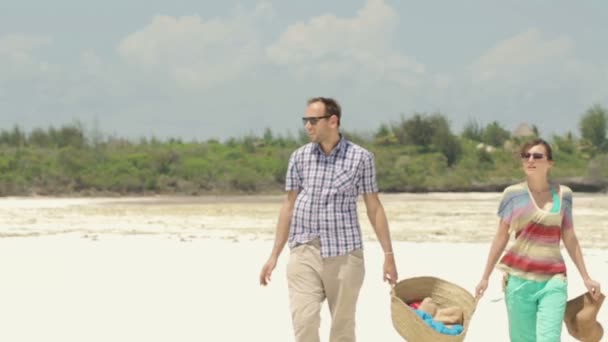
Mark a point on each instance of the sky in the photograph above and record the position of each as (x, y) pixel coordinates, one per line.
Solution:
(196, 69)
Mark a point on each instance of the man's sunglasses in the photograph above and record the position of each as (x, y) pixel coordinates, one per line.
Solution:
(533, 155)
(314, 119)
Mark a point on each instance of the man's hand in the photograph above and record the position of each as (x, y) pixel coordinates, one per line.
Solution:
(267, 271)
(390, 270)
(377, 217)
(281, 236)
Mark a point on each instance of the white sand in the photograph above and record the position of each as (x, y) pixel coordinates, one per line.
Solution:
(159, 288)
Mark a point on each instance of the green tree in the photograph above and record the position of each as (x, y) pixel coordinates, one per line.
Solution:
(443, 139)
(384, 136)
(536, 130)
(430, 133)
(15, 138)
(41, 138)
(268, 136)
(593, 126)
(303, 137)
(70, 135)
(355, 137)
(417, 130)
(473, 131)
(566, 144)
(494, 134)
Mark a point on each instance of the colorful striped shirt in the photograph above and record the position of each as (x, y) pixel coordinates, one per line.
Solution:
(328, 185)
(535, 254)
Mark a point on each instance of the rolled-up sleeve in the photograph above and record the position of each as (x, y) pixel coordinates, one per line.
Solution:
(367, 181)
(293, 178)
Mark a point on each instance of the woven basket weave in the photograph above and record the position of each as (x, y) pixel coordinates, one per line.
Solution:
(410, 326)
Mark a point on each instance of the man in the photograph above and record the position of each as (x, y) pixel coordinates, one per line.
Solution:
(319, 218)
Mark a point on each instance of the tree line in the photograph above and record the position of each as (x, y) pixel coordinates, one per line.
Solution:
(417, 153)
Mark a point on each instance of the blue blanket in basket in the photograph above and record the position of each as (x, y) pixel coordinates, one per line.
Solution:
(438, 326)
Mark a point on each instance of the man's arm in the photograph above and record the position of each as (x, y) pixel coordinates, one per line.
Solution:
(283, 224)
(281, 235)
(377, 218)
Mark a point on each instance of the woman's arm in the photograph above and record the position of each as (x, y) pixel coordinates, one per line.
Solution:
(498, 246)
(576, 254)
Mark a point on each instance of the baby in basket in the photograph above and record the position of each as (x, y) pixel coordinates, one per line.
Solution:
(444, 320)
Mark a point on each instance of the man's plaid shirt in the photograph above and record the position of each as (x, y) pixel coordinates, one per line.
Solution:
(326, 207)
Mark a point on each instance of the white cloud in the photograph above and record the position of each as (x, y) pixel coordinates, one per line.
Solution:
(90, 61)
(334, 47)
(442, 81)
(196, 52)
(529, 65)
(515, 57)
(15, 45)
(17, 55)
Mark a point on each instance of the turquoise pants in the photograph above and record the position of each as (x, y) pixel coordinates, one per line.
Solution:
(536, 309)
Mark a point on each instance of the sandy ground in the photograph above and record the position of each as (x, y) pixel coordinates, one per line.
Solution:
(150, 288)
(435, 217)
(160, 269)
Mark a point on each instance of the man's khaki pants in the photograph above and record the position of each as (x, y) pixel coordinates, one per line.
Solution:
(311, 279)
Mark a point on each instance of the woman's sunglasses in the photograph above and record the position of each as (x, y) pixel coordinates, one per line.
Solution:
(536, 156)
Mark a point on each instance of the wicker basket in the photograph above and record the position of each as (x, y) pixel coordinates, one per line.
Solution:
(410, 326)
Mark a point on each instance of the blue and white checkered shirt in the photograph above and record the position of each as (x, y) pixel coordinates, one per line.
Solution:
(326, 207)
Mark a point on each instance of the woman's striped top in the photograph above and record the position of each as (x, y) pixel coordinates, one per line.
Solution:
(535, 254)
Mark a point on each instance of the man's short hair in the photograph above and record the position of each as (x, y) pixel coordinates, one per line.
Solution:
(332, 107)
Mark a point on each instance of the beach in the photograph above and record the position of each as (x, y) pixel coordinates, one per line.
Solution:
(186, 269)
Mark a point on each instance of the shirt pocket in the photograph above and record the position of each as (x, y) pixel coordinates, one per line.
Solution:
(344, 181)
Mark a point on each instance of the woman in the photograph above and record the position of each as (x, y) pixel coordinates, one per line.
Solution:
(535, 283)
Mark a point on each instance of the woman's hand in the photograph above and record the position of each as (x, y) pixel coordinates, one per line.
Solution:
(481, 288)
(593, 287)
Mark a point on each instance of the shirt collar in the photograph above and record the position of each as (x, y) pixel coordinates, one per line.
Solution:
(339, 146)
